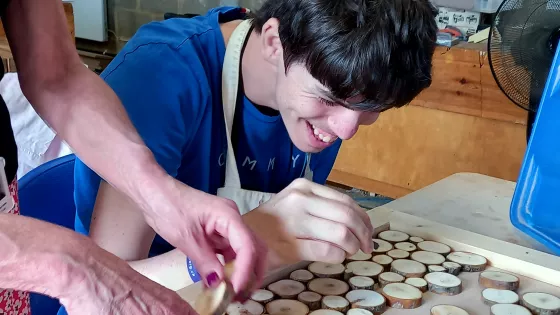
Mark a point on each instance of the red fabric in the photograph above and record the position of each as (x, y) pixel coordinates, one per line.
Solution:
(14, 302)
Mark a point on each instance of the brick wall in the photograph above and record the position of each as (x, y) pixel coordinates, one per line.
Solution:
(126, 16)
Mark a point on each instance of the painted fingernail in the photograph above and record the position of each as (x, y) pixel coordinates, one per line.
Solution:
(242, 297)
(375, 245)
(212, 279)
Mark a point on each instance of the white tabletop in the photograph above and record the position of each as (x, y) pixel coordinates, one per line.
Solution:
(470, 201)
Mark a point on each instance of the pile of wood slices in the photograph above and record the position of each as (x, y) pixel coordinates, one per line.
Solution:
(401, 269)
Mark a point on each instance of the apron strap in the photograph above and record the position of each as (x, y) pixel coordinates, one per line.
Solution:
(230, 86)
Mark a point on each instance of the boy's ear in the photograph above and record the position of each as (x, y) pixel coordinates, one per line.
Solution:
(271, 45)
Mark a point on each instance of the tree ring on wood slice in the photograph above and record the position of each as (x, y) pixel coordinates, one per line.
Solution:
(286, 288)
(419, 283)
(427, 258)
(358, 311)
(389, 277)
(382, 246)
(443, 283)
(508, 309)
(361, 283)
(402, 295)
(452, 267)
(326, 270)
(415, 239)
(250, 307)
(469, 262)
(383, 260)
(311, 299)
(492, 296)
(498, 280)
(328, 286)
(398, 254)
(262, 296)
(436, 268)
(364, 268)
(286, 307)
(393, 236)
(408, 268)
(406, 246)
(445, 309)
(434, 247)
(367, 299)
(301, 275)
(359, 256)
(541, 303)
(335, 302)
(325, 312)
(214, 301)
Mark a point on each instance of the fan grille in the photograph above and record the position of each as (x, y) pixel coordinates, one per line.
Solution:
(521, 47)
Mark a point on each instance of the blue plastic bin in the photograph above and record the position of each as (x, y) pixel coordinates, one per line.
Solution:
(535, 208)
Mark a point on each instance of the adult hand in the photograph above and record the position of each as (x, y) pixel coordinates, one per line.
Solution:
(308, 221)
(203, 226)
(108, 285)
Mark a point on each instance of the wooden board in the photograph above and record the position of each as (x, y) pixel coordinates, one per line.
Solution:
(410, 148)
(537, 271)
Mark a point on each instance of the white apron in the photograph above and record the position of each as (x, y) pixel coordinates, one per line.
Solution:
(246, 200)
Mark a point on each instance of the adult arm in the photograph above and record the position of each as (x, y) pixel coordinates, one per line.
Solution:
(40, 257)
(88, 115)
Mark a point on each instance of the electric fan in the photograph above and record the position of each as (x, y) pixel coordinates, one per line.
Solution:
(525, 61)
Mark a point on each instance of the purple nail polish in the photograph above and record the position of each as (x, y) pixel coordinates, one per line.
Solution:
(212, 279)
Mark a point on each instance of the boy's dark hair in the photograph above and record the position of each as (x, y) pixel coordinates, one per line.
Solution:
(381, 49)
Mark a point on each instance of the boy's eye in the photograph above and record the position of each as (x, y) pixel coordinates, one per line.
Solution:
(327, 102)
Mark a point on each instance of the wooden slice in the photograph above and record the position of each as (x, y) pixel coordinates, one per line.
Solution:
(469, 262)
(364, 268)
(389, 277)
(427, 258)
(325, 312)
(498, 280)
(359, 256)
(408, 268)
(286, 288)
(415, 239)
(508, 309)
(382, 246)
(443, 283)
(301, 275)
(444, 309)
(286, 307)
(358, 311)
(492, 296)
(328, 286)
(435, 247)
(392, 236)
(262, 296)
(452, 267)
(361, 283)
(402, 295)
(311, 299)
(326, 270)
(367, 300)
(335, 302)
(406, 246)
(250, 307)
(398, 254)
(436, 268)
(541, 303)
(419, 283)
(383, 260)
(214, 301)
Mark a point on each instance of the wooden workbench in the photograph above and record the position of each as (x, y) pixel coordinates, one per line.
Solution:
(462, 123)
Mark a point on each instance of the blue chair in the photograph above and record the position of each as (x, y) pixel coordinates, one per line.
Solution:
(47, 193)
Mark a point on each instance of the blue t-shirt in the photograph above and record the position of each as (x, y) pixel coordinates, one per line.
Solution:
(168, 77)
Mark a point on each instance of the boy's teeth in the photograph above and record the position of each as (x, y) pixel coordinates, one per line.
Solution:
(323, 138)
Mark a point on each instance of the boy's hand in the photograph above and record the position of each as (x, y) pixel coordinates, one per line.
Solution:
(308, 221)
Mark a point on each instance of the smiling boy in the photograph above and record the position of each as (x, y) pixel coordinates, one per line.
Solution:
(312, 72)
